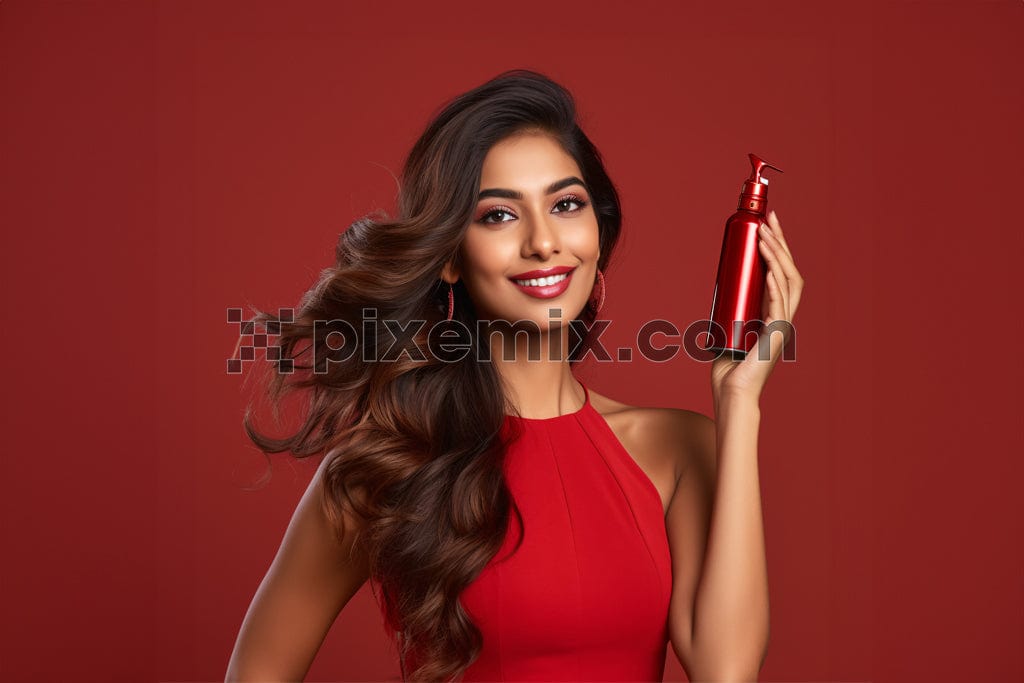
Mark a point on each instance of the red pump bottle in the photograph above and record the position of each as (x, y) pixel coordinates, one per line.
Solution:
(740, 282)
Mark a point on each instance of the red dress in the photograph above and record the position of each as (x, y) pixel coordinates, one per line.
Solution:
(586, 596)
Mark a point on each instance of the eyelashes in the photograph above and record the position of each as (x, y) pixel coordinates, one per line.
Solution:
(499, 210)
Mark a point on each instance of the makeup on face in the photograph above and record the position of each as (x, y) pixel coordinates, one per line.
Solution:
(486, 212)
(533, 225)
(545, 283)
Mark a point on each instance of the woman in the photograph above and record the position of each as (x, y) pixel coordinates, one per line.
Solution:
(513, 523)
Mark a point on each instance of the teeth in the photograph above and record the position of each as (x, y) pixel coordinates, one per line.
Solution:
(542, 282)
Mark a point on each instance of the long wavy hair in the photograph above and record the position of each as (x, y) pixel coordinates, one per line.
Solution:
(414, 443)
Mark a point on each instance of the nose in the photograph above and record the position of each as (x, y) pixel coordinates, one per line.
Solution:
(542, 238)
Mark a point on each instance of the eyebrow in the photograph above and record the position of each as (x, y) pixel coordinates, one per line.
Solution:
(513, 194)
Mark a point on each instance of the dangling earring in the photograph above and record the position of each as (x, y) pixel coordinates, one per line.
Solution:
(451, 301)
(600, 303)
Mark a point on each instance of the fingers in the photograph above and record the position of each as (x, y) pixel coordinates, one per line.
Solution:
(777, 283)
(772, 338)
(776, 226)
(790, 277)
(783, 256)
(776, 342)
(783, 283)
(778, 287)
(773, 254)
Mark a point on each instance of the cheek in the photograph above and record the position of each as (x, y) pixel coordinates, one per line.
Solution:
(487, 256)
(585, 243)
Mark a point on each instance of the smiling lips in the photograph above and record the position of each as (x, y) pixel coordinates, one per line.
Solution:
(544, 284)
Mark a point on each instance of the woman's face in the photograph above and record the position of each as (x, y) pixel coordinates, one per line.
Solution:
(534, 213)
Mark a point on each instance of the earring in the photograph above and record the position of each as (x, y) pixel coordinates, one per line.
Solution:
(600, 302)
(451, 301)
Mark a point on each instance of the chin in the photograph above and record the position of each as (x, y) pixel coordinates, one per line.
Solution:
(538, 314)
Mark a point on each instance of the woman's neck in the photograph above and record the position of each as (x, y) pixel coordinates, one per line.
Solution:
(535, 370)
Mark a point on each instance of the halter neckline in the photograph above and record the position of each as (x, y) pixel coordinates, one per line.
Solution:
(586, 406)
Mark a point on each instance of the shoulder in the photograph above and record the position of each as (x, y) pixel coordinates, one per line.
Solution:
(670, 439)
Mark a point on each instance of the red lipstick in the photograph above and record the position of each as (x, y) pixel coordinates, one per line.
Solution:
(557, 270)
(544, 291)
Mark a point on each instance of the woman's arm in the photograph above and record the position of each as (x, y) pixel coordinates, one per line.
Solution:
(719, 612)
(731, 619)
(309, 582)
(719, 622)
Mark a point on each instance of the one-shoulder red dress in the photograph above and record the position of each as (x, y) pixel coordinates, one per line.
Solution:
(586, 596)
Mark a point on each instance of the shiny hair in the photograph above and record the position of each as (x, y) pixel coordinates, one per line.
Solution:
(414, 446)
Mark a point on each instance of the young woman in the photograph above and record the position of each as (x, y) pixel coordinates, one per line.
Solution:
(513, 523)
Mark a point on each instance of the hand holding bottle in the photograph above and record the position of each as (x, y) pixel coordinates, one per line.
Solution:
(783, 287)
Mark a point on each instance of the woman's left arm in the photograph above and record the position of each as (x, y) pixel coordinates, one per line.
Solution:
(730, 630)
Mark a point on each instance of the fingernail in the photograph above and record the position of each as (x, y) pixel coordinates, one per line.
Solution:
(772, 214)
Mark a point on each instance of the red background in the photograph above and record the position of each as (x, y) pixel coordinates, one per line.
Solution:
(162, 162)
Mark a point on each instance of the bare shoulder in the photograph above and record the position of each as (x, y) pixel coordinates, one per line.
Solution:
(663, 441)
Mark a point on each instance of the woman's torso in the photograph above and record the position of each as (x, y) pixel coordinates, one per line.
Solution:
(586, 596)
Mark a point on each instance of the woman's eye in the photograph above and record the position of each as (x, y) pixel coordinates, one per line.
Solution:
(494, 216)
(495, 212)
(571, 200)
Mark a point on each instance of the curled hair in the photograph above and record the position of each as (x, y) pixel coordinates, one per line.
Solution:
(414, 446)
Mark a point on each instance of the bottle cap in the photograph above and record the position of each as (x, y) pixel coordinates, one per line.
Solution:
(754, 193)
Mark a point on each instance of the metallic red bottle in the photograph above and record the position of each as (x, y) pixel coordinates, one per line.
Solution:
(740, 282)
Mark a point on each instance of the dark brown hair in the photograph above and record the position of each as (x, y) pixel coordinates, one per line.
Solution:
(414, 444)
